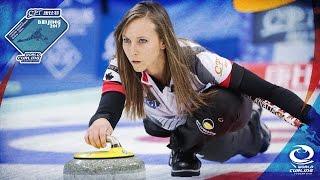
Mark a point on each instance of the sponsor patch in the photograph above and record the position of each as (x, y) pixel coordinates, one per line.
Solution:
(207, 124)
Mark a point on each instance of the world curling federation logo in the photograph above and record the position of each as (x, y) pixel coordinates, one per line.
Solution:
(301, 159)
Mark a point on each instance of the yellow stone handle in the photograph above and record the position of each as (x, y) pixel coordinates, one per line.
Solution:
(113, 141)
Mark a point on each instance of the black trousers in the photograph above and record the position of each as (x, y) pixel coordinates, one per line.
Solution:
(218, 131)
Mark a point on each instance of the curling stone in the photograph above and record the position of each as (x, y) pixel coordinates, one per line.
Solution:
(116, 163)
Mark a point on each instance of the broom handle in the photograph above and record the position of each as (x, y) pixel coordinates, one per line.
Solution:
(278, 112)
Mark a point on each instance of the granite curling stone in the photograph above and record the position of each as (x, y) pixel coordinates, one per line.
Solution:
(115, 163)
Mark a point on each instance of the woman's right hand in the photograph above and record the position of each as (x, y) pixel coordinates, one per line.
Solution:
(97, 133)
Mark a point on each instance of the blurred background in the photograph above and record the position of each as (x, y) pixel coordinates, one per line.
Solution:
(283, 35)
(46, 107)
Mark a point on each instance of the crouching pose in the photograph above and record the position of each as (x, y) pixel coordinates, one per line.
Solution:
(187, 93)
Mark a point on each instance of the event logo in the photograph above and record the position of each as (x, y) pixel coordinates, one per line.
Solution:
(301, 160)
(36, 32)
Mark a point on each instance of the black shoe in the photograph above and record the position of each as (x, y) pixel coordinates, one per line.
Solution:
(259, 127)
(184, 164)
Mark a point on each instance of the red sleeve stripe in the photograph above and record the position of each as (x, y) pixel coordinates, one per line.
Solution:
(226, 82)
(112, 86)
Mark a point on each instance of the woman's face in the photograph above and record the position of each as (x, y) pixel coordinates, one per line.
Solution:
(142, 45)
